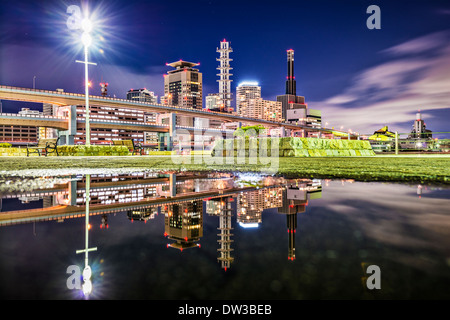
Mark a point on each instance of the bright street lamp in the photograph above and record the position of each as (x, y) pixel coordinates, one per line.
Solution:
(86, 25)
(86, 39)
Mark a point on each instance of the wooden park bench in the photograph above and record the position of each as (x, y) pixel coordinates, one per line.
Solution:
(138, 148)
(47, 145)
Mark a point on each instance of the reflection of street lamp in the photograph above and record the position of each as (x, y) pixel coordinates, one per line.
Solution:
(87, 286)
(86, 39)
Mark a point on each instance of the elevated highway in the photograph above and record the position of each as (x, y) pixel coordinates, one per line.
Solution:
(66, 98)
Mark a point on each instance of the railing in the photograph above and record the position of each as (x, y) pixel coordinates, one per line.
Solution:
(36, 116)
(33, 116)
(123, 121)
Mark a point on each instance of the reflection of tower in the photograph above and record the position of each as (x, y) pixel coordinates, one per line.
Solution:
(295, 200)
(225, 233)
(184, 223)
(292, 226)
(291, 207)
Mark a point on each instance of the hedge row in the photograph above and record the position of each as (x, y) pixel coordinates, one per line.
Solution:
(82, 150)
(297, 147)
(75, 150)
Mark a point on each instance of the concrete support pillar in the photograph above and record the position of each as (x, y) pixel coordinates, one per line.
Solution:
(172, 184)
(73, 192)
(172, 131)
(67, 137)
(161, 140)
(396, 142)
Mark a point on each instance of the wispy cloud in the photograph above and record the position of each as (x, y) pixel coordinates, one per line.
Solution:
(415, 76)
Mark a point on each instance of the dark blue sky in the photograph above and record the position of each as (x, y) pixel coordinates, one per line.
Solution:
(333, 49)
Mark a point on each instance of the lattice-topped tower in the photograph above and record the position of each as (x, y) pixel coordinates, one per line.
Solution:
(224, 81)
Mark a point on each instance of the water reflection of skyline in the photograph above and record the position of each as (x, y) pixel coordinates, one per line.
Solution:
(177, 205)
(183, 199)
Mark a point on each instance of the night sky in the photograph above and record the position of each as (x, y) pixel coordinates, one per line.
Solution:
(361, 79)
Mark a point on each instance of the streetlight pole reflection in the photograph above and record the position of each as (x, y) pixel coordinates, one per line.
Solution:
(87, 272)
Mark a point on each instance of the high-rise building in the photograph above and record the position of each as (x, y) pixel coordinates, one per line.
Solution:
(294, 108)
(245, 92)
(290, 100)
(268, 110)
(262, 109)
(142, 95)
(212, 102)
(420, 129)
(224, 76)
(183, 86)
(145, 95)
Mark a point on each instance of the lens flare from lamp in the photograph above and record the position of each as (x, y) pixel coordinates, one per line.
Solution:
(87, 287)
(86, 25)
(86, 39)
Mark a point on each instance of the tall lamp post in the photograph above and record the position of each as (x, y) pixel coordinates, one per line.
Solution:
(86, 39)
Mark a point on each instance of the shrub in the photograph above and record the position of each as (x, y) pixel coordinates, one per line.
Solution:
(5, 145)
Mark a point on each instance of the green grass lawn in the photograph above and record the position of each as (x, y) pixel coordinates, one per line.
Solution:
(414, 169)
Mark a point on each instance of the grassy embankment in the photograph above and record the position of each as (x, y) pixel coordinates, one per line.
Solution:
(414, 169)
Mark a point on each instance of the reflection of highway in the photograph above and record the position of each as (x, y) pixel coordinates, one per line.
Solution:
(180, 197)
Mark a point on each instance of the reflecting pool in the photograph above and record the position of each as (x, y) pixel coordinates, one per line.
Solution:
(188, 235)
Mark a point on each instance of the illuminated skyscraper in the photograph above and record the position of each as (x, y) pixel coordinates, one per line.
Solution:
(183, 86)
(142, 95)
(212, 102)
(245, 92)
